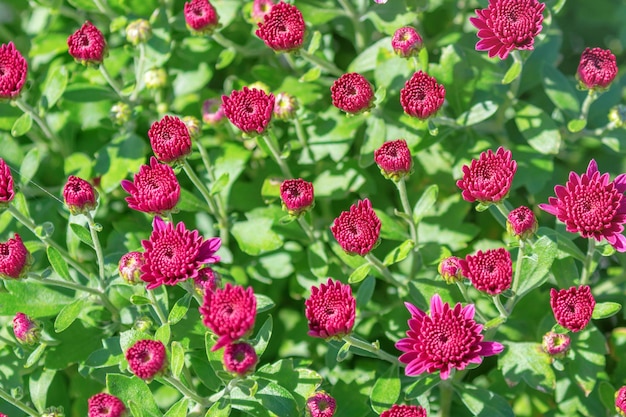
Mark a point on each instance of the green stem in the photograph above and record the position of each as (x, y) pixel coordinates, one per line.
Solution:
(369, 347)
(191, 289)
(445, 398)
(322, 63)
(202, 188)
(591, 248)
(302, 138)
(96, 246)
(406, 208)
(307, 229)
(26, 108)
(584, 110)
(376, 263)
(17, 403)
(104, 8)
(175, 383)
(114, 85)
(269, 142)
(359, 29)
(219, 201)
(139, 70)
(241, 50)
(468, 300)
(517, 277)
(156, 307)
(501, 309)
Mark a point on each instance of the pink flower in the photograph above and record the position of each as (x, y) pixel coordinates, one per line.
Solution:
(447, 339)
(406, 42)
(25, 329)
(404, 411)
(154, 189)
(206, 280)
(521, 222)
(450, 269)
(6, 184)
(282, 28)
(490, 271)
(212, 111)
(573, 307)
(489, 178)
(229, 312)
(240, 358)
(130, 267)
(357, 230)
(556, 344)
(592, 205)
(297, 196)
(249, 109)
(200, 16)
(79, 195)
(394, 159)
(321, 404)
(421, 96)
(14, 258)
(597, 68)
(330, 310)
(260, 8)
(506, 25)
(170, 139)
(147, 358)
(105, 405)
(285, 106)
(620, 401)
(87, 44)
(352, 93)
(13, 71)
(173, 254)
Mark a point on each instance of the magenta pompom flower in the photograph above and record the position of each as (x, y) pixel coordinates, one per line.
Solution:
(556, 344)
(597, 68)
(352, 93)
(450, 269)
(105, 405)
(249, 109)
(490, 271)
(154, 189)
(506, 25)
(489, 178)
(173, 254)
(521, 222)
(357, 230)
(79, 195)
(330, 310)
(13, 71)
(240, 358)
(421, 96)
(259, 9)
(25, 329)
(147, 358)
(200, 16)
(229, 312)
(394, 159)
(130, 267)
(573, 307)
(6, 183)
(447, 339)
(404, 411)
(212, 111)
(406, 42)
(321, 404)
(87, 45)
(282, 28)
(620, 401)
(170, 139)
(14, 258)
(297, 196)
(592, 205)
(206, 280)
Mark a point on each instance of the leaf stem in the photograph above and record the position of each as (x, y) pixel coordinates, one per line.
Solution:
(369, 347)
(96, 246)
(517, 276)
(501, 309)
(322, 63)
(587, 265)
(17, 403)
(468, 300)
(376, 263)
(584, 110)
(359, 30)
(205, 193)
(156, 307)
(241, 50)
(27, 108)
(307, 229)
(301, 135)
(406, 207)
(269, 139)
(445, 398)
(139, 70)
(177, 384)
(114, 85)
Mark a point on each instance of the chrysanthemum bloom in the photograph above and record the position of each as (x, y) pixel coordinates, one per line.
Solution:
(506, 25)
(330, 310)
(297, 196)
(201, 17)
(173, 254)
(406, 42)
(212, 111)
(556, 344)
(14, 258)
(282, 28)
(285, 107)
(259, 9)
(573, 307)
(229, 312)
(130, 267)
(105, 405)
(138, 31)
(592, 205)
(421, 96)
(154, 189)
(489, 178)
(320, 404)
(597, 68)
(6, 184)
(352, 93)
(87, 45)
(25, 329)
(206, 280)
(447, 339)
(357, 230)
(404, 411)
(170, 139)
(490, 271)
(147, 358)
(394, 159)
(13, 71)
(521, 222)
(240, 358)
(79, 195)
(450, 269)
(620, 401)
(249, 109)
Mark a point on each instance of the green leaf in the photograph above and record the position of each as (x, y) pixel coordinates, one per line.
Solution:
(425, 203)
(36, 354)
(54, 86)
(270, 399)
(58, 263)
(139, 300)
(365, 292)
(483, 403)
(255, 236)
(314, 45)
(477, 113)
(69, 314)
(300, 382)
(343, 352)
(538, 129)
(536, 267)
(311, 75)
(31, 298)
(386, 390)
(82, 233)
(121, 156)
(560, 90)
(576, 125)
(263, 336)
(178, 358)
(374, 138)
(359, 274)
(399, 253)
(318, 260)
(190, 202)
(88, 93)
(30, 165)
(133, 391)
(215, 358)
(263, 303)
(225, 58)
(39, 383)
(422, 386)
(179, 310)
(391, 228)
(179, 409)
(512, 73)
(22, 125)
(163, 333)
(219, 409)
(606, 309)
(607, 394)
(526, 361)
(220, 183)
(588, 349)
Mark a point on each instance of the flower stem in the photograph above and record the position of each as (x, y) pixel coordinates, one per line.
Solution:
(96, 246)
(376, 263)
(359, 30)
(17, 403)
(139, 64)
(517, 277)
(177, 384)
(322, 63)
(369, 347)
(445, 398)
(114, 85)
(301, 134)
(307, 229)
(26, 108)
(241, 50)
(204, 191)
(406, 208)
(156, 307)
(501, 309)
(587, 265)
(269, 142)
(189, 287)
(584, 110)
(468, 300)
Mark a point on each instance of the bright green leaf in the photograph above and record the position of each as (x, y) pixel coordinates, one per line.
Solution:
(139, 300)
(360, 273)
(225, 58)
(483, 403)
(255, 236)
(477, 113)
(58, 263)
(536, 266)
(22, 125)
(576, 125)
(425, 203)
(178, 358)
(69, 313)
(163, 333)
(190, 202)
(263, 303)
(588, 348)
(82, 233)
(605, 310)
(386, 390)
(512, 73)
(54, 86)
(528, 362)
(39, 383)
(311, 75)
(220, 183)
(131, 389)
(318, 260)
(30, 165)
(316, 39)
(263, 336)
(399, 253)
(179, 310)
(560, 90)
(538, 129)
(219, 409)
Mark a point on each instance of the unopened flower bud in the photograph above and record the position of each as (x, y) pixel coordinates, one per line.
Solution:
(406, 42)
(522, 222)
(297, 196)
(120, 113)
(450, 269)
(79, 195)
(285, 106)
(155, 78)
(207, 280)
(138, 31)
(394, 159)
(25, 329)
(556, 344)
(617, 115)
(193, 125)
(130, 267)
(143, 324)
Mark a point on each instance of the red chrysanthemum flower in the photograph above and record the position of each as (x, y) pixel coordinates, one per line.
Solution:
(173, 254)
(521, 222)
(447, 339)
(147, 358)
(573, 307)
(25, 329)
(170, 139)
(556, 344)
(6, 184)
(394, 159)
(14, 258)
(506, 25)
(130, 267)
(404, 411)
(206, 280)
(321, 404)
(212, 111)
(352, 93)
(200, 16)
(282, 28)
(13, 71)
(105, 405)
(79, 195)
(450, 269)
(490, 271)
(87, 45)
(620, 401)
(297, 196)
(406, 42)
(592, 205)
(259, 9)
(421, 96)
(240, 358)
(357, 230)
(489, 178)
(154, 189)
(249, 109)
(229, 312)
(597, 68)
(330, 310)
